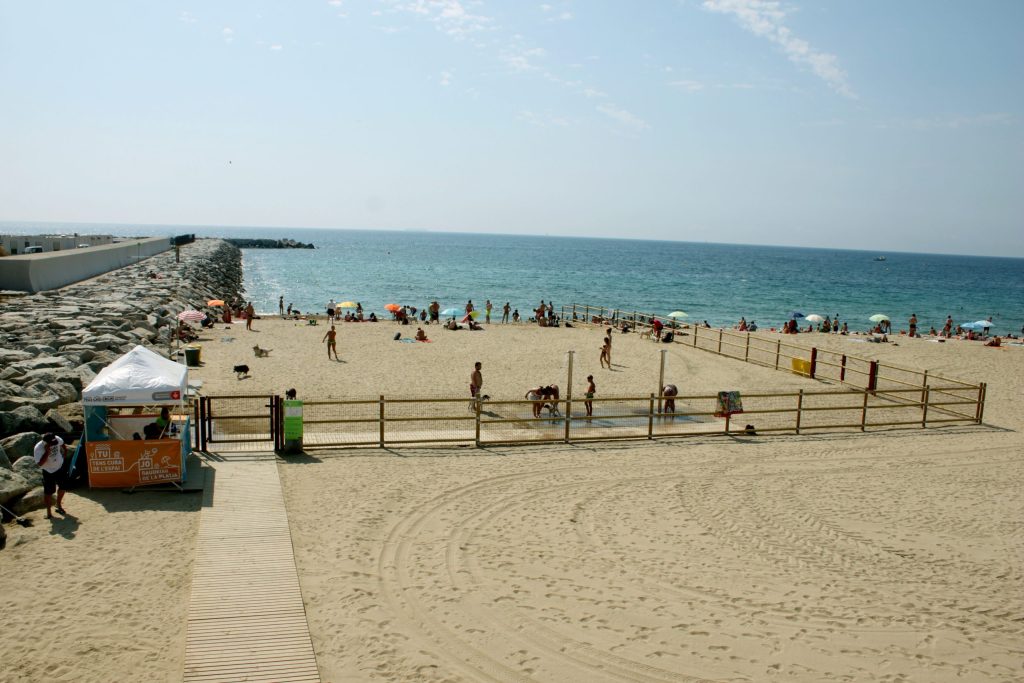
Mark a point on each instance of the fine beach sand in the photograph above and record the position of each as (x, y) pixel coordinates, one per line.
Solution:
(889, 555)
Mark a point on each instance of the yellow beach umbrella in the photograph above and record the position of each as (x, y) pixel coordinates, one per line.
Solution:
(347, 304)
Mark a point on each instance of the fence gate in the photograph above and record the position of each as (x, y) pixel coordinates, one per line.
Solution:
(238, 422)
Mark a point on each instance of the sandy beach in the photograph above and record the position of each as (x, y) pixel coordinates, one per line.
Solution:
(889, 555)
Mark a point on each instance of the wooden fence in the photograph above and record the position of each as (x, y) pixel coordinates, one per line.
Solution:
(385, 421)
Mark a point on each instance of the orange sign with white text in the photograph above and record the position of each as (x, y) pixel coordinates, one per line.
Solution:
(120, 464)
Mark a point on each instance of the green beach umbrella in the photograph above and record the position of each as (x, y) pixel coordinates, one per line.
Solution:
(878, 317)
(678, 314)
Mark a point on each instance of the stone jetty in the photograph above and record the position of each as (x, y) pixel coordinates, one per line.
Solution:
(53, 343)
(246, 243)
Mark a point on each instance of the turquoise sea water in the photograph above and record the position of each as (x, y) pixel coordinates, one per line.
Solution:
(713, 282)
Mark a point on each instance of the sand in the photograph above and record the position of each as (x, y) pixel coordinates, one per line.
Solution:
(890, 555)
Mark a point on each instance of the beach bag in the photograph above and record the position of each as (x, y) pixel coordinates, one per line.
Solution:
(398, 335)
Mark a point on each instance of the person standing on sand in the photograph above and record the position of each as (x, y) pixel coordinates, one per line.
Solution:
(250, 312)
(469, 307)
(504, 313)
(606, 354)
(280, 305)
(591, 390)
(476, 380)
(49, 454)
(669, 392)
(487, 308)
(331, 308)
(913, 324)
(332, 342)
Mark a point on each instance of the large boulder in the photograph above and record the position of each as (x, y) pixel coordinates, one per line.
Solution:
(5, 462)
(13, 485)
(59, 424)
(26, 468)
(19, 445)
(33, 500)
(22, 419)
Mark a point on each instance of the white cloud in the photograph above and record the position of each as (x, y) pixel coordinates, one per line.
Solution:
(766, 18)
(446, 78)
(592, 93)
(689, 86)
(954, 122)
(229, 34)
(187, 17)
(624, 117)
(334, 3)
(277, 47)
(546, 8)
(542, 120)
(448, 16)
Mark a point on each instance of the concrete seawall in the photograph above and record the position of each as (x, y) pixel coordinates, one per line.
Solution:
(50, 270)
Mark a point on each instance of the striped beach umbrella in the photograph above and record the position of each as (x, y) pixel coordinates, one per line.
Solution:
(191, 316)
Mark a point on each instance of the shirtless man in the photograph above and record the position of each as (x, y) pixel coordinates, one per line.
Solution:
(504, 312)
(913, 324)
(476, 380)
(670, 392)
(332, 342)
(591, 390)
(487, 309)
(249, 313)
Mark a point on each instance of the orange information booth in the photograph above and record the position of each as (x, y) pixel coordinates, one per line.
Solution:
(137, 430)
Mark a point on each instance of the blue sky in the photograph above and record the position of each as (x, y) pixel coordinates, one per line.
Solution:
(870, 124)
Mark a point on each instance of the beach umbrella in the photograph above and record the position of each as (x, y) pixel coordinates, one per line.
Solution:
(191, 316)
(472, 314)
(450, 311)
(878, 317)
(347, 304)
(814, 318)
(678, 314)
(794, 314)
(215, 302)
(977, 325)
(393, 307)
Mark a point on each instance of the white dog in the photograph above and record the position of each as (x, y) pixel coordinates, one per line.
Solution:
(646, 334)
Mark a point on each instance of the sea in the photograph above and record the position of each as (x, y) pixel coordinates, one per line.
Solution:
(717, 283)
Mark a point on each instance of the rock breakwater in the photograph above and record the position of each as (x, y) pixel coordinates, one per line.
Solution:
(53, 343)
(247, 243)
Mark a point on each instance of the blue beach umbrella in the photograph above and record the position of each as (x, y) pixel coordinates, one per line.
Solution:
(977, 325)
(450, 311)
(794, 314)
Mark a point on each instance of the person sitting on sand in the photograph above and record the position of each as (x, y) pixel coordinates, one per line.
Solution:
(475, 326)
(373, 317)
(742, 326)
(515, 316)
(421, 335)
(994, 342)
(452, 325)
(752, 327)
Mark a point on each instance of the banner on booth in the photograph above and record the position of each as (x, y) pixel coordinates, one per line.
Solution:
(123, 464)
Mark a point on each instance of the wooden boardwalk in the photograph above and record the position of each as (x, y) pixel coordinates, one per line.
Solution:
(246, 619)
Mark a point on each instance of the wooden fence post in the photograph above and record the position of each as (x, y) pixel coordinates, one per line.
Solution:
(720, 341)
(778, 352)
(574, 311)
(746, 351)
(873, 375)
(478, 405)
(864, 411)
(799, 409)
(982, 390)
(586, 313)
(695, 328)
(650, 418)
(814, 361)
(924, 407)
(842, 369)
(381, 422)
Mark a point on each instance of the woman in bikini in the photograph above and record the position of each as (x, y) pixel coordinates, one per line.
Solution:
(591, 390)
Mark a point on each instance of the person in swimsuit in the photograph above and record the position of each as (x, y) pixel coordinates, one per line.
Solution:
(913, 324)
(536, 395)
(250, 313)
(332, 342)
(487, 312)
(504, 312)
(476, 380)
(591, 390)
(606, 354)
(670, 392)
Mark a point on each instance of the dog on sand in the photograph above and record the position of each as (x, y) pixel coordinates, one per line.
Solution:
(646, 334)
(242, 371)
(261, 353)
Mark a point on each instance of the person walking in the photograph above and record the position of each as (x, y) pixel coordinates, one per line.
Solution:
(487, 309)
(476, 380)
(332, 342)
(250, 313)
(606, 353)
(49, 454)
(504, 312)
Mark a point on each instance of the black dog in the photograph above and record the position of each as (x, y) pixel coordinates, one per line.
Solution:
(242, 371)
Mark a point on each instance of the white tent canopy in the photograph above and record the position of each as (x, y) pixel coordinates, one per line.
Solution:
(138, 377)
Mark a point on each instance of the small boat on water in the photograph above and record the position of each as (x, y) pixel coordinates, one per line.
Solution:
(879, 258)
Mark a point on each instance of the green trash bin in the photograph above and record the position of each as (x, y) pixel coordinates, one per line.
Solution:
(192, 356)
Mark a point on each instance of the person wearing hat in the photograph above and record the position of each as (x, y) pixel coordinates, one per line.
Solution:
(49, 455)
